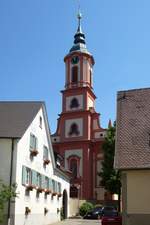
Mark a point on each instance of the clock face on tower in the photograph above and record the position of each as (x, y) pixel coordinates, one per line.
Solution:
(75, 60)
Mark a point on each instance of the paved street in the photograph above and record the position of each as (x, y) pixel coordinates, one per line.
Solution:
(78, 222)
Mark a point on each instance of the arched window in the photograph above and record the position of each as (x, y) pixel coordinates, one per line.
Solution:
(90, 77)
(74, 74)
(74, 103)
(74, 168)
(74, 129)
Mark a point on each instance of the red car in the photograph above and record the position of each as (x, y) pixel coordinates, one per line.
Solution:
(111, 218)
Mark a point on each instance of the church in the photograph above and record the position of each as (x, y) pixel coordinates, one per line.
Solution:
(79, 136)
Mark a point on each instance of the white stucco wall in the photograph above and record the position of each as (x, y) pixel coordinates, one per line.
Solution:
(36, 205)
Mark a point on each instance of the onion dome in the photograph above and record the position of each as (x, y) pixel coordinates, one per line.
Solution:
(79, 38)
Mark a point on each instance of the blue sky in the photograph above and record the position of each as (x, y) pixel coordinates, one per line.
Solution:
(35, 35)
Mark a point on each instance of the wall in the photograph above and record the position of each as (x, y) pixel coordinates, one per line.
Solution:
(5, 153)
(74, 205)
(136, 197)
(6, 146)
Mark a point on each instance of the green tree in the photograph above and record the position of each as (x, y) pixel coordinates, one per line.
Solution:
(110, 176)
(6, 193)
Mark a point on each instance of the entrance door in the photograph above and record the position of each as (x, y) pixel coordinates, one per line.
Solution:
(65, 204)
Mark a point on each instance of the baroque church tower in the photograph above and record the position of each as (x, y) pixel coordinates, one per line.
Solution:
(79, 136)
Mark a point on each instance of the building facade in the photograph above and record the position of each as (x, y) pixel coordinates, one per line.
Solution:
(79, 136)
(132, 156)
(27, 159)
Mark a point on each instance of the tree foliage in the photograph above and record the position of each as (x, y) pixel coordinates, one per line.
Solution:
(6, 193)
(110, 176)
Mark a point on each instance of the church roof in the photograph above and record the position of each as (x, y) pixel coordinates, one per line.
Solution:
(133, 129)
(15, 117)
(79, 38)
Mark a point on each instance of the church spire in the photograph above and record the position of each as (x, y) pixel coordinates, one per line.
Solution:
(79, 38)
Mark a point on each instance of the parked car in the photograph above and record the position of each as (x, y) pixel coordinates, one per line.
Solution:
(94, 213)
(108, 209)
(111, 217)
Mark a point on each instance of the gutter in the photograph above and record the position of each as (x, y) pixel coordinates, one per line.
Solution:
(10, 180)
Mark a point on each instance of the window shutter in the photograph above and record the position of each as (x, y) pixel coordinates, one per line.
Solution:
(34, 178)
(36, 143)
(43, 182)
(53, 185)
(46, 182)
(50, 184)
(38, 179)
(24, 175)
(31, 141)
(45, 152)
(59, 187)
(56, 186)
(55, 182)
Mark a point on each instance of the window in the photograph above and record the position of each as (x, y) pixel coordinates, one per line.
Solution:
(73, 192)
(74, 129)
(74, 167)
(45, 152)
(74, 74)
(26, 175)
(33, 142)
(40, 121)
(39, 180)
(74, 103)
(90, 77)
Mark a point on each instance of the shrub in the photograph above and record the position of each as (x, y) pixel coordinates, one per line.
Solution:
(85, 207)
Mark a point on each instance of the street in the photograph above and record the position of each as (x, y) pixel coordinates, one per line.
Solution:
(78, 222)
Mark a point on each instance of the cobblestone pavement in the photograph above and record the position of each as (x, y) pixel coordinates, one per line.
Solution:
(78, 222)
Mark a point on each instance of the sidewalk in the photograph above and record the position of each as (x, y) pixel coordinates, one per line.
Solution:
(77, 222)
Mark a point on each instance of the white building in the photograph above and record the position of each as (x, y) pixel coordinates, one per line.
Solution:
(27, 159)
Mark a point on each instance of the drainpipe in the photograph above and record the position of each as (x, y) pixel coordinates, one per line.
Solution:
(11, 174)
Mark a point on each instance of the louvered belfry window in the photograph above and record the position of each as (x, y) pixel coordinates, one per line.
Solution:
(74, 74)
(74, 130)
(74, 103)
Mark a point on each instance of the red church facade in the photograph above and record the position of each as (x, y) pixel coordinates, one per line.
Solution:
(79, 136)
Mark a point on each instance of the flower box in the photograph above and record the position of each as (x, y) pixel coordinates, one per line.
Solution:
(33, 152)
(39, 189)
(54, 193)
(47, 191)
(46, 161)
(59, 195)
(27, 210)
(29, 187)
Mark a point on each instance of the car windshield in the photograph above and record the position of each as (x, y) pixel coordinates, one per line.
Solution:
(97, 209)
(108, 208)
(110, 213)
